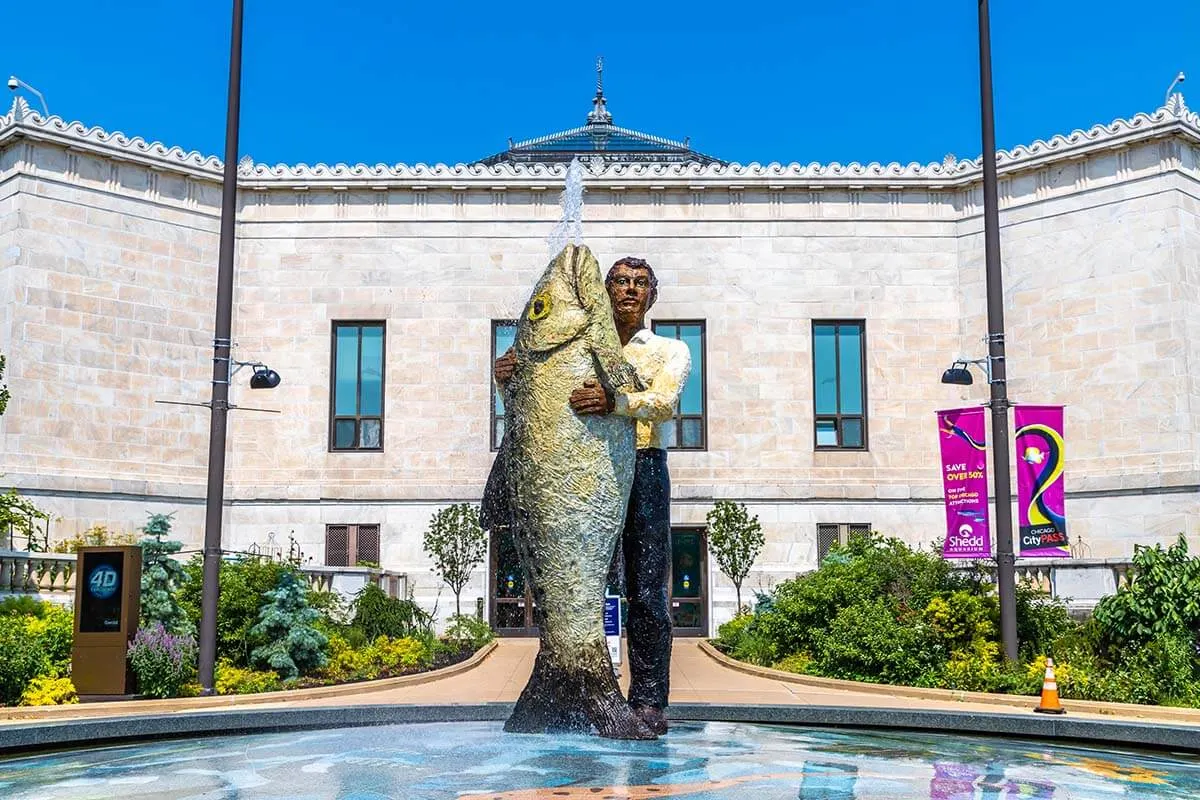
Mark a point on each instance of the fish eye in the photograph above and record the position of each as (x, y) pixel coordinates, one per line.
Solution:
(539, 308)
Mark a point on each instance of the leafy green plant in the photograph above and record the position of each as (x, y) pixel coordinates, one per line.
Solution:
(4, 394)
(291, 644)
(162, 576)
(244, 585)
(1162, 598)
(735, 539)
(866, 642)
(377, 614)
(95, 536)
(47, 690)
(161, 661)
(24, 658)
(468, 631)
(20, 516)
(230, 679)
(457, 545)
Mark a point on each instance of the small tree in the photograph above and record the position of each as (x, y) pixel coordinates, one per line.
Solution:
(457, 545)
(161, 577)
(291, 644)
(735, 539)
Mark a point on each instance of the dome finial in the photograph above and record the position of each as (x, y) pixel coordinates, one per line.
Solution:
(599, 114)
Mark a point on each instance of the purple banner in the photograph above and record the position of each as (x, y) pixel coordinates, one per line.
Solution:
(1040, 502)
(964, 478)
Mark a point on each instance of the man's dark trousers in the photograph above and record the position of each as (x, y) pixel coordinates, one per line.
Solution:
(646, 547)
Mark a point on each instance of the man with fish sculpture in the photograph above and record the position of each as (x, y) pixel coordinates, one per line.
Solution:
(583, 468)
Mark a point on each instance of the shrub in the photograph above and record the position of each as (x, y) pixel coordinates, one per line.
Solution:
(46, 690)
(384, 657)
(54, 630)
(731, 632)
(468, 631)
(162, 576)
(95, 536)
(1162, 598)
(867, 643)
(24, 658)
(244, 585)
(797, 662)
(230, 679)
(376, 614)
(161, 661)
(291, 644)
(1041, 621)
(960, 619)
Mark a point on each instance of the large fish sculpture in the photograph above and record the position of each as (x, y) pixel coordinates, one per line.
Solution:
(561, 483)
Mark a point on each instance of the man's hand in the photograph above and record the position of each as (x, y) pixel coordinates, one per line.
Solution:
(590, 399)
(505, 366)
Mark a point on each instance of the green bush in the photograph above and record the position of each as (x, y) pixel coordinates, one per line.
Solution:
(382, 658)
(244, 585)
(866, 642)
(161, 662)
(54, 630)
(468, 631)
(46, 690)
(731, 632)
(24, 658)
(376, 614)
(291, 645)
(230, 679)
(1162, 598)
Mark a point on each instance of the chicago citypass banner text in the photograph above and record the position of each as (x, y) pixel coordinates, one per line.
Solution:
(1040, 502)
(964, 478)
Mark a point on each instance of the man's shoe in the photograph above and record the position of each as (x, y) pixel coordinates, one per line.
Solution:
(654, 718)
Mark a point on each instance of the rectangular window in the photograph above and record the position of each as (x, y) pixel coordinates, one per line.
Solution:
(840, 534)
(688, 429)
(356, 392)
(350, 545)
(840, 385)
(504, 333)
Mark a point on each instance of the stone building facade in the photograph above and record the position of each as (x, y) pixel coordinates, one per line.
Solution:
(108, 253)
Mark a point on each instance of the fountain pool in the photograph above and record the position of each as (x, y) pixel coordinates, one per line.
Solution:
(696, 760)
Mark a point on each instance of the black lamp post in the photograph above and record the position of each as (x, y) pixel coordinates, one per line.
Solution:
(1005, 560)
(215, 500)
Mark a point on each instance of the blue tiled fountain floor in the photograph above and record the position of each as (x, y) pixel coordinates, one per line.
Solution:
(696, 761)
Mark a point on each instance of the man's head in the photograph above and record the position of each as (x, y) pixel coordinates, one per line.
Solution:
(632, 287)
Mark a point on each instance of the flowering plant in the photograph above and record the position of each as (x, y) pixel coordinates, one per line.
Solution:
(162, 662)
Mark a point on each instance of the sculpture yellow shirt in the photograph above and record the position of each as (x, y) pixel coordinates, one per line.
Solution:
(663, 365)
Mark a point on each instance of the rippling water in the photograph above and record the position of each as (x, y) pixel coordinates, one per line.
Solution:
(696, 760)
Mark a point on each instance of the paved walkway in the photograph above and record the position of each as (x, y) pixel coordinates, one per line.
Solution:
(696, 677)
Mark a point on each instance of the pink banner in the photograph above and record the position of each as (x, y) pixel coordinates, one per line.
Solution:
(1040, 503)
(964, 478)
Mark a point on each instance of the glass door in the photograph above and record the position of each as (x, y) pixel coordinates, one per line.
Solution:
(689, 581)
(513, 612)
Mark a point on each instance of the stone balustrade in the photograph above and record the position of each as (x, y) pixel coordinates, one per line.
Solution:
(46, 575)
(51, 576)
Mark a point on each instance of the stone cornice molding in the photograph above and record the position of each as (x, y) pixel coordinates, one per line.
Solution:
(1174, 118)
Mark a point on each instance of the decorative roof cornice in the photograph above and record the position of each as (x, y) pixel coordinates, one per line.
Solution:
(1173, 118)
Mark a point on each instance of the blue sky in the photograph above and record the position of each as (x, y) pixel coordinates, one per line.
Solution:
(371, 81)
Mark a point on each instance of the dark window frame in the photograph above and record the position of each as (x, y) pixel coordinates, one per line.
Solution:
(493, 417)
(357, 417)
(677, 418)
(352, 542)
(845, 532)
(838, 418)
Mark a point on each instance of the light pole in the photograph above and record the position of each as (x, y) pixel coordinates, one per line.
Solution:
(215, 499)
(15, 83)
(1005, 560)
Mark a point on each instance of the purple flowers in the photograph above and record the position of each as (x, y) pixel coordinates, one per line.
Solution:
(163, 662)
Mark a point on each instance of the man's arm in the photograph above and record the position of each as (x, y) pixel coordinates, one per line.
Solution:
(504, 367)
(657, 404)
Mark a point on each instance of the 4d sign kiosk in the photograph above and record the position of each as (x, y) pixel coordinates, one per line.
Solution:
(108, 584)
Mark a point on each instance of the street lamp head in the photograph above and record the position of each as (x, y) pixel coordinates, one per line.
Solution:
(13, 83)
(958, 375)
(264, 378)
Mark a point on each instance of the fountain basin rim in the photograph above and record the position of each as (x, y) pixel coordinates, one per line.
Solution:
(88, 732)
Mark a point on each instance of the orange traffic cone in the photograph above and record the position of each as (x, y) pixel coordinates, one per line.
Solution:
(1050, 703)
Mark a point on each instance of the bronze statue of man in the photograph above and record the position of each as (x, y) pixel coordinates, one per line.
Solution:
(645, 547)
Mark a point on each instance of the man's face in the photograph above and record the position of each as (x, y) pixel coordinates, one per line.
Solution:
(630, 292)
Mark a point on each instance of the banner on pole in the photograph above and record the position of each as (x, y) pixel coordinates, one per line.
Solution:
(964, 479)
(1040, 502)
